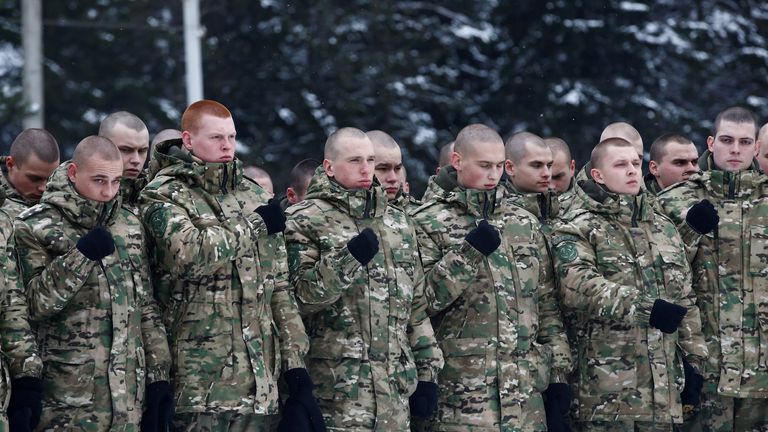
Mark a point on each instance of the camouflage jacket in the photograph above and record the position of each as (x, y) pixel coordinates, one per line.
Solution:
(99, 330)
(730, 274)
(355, 315)
(615, 256)
(14, 203)
(229, 309)
(567, 199)
(130, 190)
(545, 206)
(496, 318)
(405, 202)
(651, 184)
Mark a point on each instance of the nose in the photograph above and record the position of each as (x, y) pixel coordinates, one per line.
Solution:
(41, 187)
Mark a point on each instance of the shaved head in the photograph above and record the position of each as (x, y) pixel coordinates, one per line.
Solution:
(763, 133)
(516, 145)
(382, 139)
(165, 135)
(33, 141)
(260, 176)
(95, 146)
(734, 114)
(474, 134)
(601, 150)
(331, 150)
(445, 153)
(558, 145)
(625, 131)
(659, 146)
(193, 115)
(124, 118)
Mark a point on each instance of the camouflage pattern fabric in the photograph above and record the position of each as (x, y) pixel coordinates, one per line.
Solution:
(101, 337)
(651, 184)
(405, 202)
(545, 206)
(496, 318)
(130, 190)
(726, 414)
(567, 199)
(14, 203)
(730, 275)
(231, 316)
(222, 422)
(615, 254)
(371, 339)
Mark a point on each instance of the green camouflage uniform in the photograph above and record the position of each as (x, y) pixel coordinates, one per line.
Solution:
(405, 202)
(228, 306)
(545, 206)
(371, 339)
(100, 334)
(567, 199)
(20, 356)
(730, 278)
(130, 190)
(496, 318)
(651, 184)
(615, 254)
(14, 203)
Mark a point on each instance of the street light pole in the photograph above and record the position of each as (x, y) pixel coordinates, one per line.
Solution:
(32, 43)
(192, 52)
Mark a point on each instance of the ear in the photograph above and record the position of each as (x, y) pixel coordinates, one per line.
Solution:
(186, 140)
(290, 195)
(573, 166)
(653, 168)
(758, 146)
(509, 167)
(10, 163)
(72, 171)
(328, 167)
(456, 161)
(597, 176)
(710, 142)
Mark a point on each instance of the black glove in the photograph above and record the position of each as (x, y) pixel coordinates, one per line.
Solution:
(702, 217)
(158, 405)
(26, 404)
(484, 238)
(96, 244)
(423, 402)
(364, 246)
(301, 412)
(273, 215)
(666, 316)
(557, 402)
(694, 382)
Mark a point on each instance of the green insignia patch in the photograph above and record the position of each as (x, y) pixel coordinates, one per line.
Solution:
(567, 252)
(157, 223)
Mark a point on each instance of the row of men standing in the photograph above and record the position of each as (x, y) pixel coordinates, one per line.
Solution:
(366, 276)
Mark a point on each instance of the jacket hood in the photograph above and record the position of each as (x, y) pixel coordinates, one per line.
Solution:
(597, 199)
(358, 203)
(61, 194)
(170, 158)
(481, 203)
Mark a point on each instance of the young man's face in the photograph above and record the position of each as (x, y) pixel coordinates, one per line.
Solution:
(679, 162)
(619, 171)
(389, 165)
(733, 146)
(30, 178)
(533, 171)
(133, 146)
(96, 179)
(353, 164)
(481, 165)
(562, 172)
(213, 141)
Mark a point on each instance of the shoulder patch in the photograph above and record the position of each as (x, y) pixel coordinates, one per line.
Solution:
(566, 251)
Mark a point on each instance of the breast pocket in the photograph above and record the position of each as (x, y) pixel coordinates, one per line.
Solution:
(609, 366)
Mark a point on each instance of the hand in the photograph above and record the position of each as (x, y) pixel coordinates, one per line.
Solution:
(96, 244)
(301, 412)
(423, 402)
(557, 403)
(666, 316)
(694, 382)
(273, 216)
(159, 407)
(702, 217)
(364, 246)
(484, 238)
(26, 404)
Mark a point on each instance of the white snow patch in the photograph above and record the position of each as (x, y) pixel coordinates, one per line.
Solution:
(583, 24)
(486, 33)
(633, 6)
(288, 116)
(10, 58)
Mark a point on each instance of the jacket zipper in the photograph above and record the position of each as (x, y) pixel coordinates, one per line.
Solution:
(224, 179)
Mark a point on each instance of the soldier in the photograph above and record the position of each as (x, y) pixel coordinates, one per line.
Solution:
(762, 148)
(261, 177)
(131, 137)
(232, 319)
(623, 273)
(33, 156)
(84, 266)
(563, 167)
(729, 272)
(355, 263)
(445, 156)
(389, 170)
(528, 166)
(299, 179)
(489, 285)
(674, 159)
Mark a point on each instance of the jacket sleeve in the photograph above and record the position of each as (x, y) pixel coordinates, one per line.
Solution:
(188, 249)
(49, 282)
(18, 341)
(690, 335)
(294, 343)
(551, 329)
(319, 275)
(676, 208)
(449, 270)
(421, 335)
(156, 351)
(585, 289)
